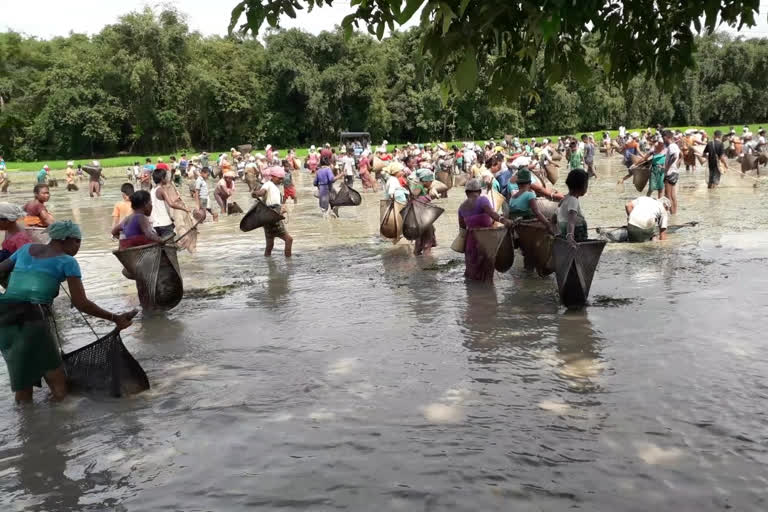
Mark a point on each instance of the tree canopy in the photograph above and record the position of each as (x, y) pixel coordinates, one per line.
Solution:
(529, 39)
(147, 84)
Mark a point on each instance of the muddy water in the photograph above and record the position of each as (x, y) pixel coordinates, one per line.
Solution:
(357, 377)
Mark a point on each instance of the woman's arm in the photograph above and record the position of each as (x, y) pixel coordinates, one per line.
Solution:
(118, 227)
(544, 192)
(81, 302)
(46, 217)
(488, 210)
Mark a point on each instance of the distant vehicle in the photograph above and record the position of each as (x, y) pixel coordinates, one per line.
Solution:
(358, 141)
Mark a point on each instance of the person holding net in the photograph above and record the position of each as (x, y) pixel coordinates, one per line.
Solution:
(28, 340)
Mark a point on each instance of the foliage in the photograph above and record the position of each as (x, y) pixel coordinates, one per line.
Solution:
(148, 85)
(530, 37)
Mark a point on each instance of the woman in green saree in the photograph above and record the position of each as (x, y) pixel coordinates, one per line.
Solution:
(28, 340)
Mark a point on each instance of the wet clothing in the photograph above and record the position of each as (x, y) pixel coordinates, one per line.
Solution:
(28, 342)
(567, 205)
(276, 229)
(122, 210)
(42, 177)
(14, 242)
(478, 266)
(27, 339)
(132, 233)
(33, 210)
(657, 171)
(714, 151)
(576, 160)
(520, 206)
(323, 181)
(647, 215)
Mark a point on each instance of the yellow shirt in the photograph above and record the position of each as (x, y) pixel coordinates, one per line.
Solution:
(122, 210)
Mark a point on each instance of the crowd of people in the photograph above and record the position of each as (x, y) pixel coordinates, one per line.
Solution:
(509, 184)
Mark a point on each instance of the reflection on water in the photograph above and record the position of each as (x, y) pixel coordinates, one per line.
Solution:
(356, 376)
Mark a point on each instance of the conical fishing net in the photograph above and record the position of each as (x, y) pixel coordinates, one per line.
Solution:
(105, 366)
(344, 195)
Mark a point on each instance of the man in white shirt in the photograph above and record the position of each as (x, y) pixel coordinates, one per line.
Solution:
(645, 216)
(469, 156)
(348, 167)
(201, 192)
(673, 155)
(270, 192)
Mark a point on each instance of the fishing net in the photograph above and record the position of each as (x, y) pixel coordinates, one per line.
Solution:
(548, 208)
(536, 245)
(93, 172)
(259, 216)
(105, 366)
(748, 163)
(418, 217)
(505, 256)
(233, 208)
(553, 173)
(460, 180)
(640, 177)
(575, 268)
(489, 240)
(391, 219)
(445, 177)
(342, 194)
(156, 271)
(245, 148)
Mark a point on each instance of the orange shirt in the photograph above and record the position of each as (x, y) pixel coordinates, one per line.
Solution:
(122, 210)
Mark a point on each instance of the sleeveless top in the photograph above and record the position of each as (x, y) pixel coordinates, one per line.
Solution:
(160, 216)
(132, 227)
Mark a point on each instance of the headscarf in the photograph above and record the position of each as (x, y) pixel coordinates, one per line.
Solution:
(10, 212)
(276, 171)
(473, 185)
(393, 168)
(523, 176)
(425, 175)
(63, 229)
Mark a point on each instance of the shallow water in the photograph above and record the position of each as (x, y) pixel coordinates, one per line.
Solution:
(358, 377)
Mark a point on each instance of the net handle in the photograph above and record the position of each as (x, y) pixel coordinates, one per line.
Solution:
(81, 314)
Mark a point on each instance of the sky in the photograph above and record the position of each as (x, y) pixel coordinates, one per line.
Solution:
(50, 18)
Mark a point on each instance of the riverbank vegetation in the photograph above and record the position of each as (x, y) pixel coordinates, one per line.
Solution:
(147, 85)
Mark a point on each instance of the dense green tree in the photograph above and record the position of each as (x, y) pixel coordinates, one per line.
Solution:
(147, 84)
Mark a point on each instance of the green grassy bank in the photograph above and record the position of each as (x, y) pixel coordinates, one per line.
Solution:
(126, 161)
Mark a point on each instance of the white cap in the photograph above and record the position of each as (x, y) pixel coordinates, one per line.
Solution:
(312, 147)
(70, 163)
(46, 166)
(269, 146)
(95, 163)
